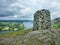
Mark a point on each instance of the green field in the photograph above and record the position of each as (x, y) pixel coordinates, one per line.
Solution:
(15, 33)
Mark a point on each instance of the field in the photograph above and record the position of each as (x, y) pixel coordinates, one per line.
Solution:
(15, 33)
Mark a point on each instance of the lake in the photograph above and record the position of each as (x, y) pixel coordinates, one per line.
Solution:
(28, 24)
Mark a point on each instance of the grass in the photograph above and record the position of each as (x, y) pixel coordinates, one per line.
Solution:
(15, 33)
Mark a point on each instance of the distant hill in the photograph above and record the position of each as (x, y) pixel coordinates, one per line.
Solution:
(56, 20)
(16, 21)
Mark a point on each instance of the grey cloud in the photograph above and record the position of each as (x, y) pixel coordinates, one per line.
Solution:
(6, 9)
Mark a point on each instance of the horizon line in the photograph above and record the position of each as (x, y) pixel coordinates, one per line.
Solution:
(16, 20)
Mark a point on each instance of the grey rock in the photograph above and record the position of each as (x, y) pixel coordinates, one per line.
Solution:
(42, 20)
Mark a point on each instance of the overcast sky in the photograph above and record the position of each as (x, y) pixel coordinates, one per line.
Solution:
(25, 9)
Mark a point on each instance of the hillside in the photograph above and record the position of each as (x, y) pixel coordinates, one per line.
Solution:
(56, 20)
(56, 23)
(42, 37)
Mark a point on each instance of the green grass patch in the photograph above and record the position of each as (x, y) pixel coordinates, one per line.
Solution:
(15, 33)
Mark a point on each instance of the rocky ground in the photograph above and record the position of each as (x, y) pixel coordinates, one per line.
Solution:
(42, 37)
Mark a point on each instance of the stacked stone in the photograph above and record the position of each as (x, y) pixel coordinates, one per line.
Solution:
(42, 20)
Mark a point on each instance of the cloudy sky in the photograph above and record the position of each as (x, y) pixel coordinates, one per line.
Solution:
(24, 9)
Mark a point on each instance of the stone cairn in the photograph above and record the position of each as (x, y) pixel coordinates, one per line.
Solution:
(42, 20)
